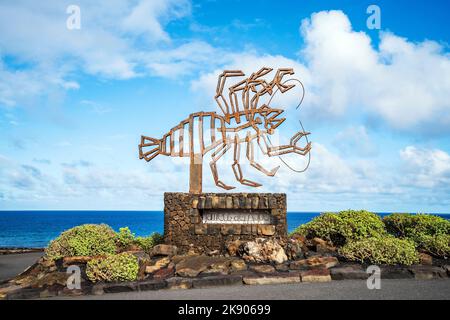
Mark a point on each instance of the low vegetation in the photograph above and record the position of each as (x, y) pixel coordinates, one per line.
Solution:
(430, 233)
(381, 250)
(396, 239)
(84, 240)
(119, 267)
(96, 240)
(339, 228)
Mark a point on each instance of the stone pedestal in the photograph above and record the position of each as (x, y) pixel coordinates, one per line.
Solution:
(207, 221)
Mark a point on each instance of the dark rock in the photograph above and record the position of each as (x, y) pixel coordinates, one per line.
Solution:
(447, 269)
(179, 283)
(428, 272)
(237, 265)
(164, 273)
(164, 250)
(395, 272)
(272, 279)
(233, 247)
(263, 268)
(141, 255)
(220, 280)
(27, 293)
(192, 266)
(155, 284)
(51, 279)
(118, 287)
(157, 265)
(315, 262)
(349, 272)
(294, 249)
(425, 259)
(315, 275)
(282, 267)
(97, 289)
(323, 247)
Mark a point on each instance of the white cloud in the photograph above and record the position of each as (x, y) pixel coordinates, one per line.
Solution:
(427, 168)
(355, 140)
(406, 84)
(46, 54)
(145, 17)
(402, 84)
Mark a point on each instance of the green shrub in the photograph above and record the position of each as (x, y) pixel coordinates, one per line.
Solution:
(344, 226)
(404, 225)
(381, 250)
(438, 245)
(118, 267)
(84, 240)
(125, 238)
(146, 243)
(430, 233)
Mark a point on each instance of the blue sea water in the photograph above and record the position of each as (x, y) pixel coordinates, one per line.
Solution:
(34, 229)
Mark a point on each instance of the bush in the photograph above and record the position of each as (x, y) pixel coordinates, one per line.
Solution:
(404, 225)
(339, 228)
(84, 240)
(146, 243)
(381, 250)
(430, 233)
(118, 267)
(125, 238)
(438, 245)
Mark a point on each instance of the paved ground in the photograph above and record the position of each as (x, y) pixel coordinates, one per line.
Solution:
(346, 289)
(13, 264)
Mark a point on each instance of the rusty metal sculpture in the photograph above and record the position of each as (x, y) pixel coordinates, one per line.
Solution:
(240, 114)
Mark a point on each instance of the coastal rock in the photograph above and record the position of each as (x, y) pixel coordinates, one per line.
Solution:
(294, 249)
(427, 272)
(179, 283)
(314, 262)
(51, 279)
(164, 273)
(323, 247)
(275, 279)
(315, 275)
(282, 267)
(263, 250)
(191, 266)
(425, 259)
(217, 280)
(233, 247)
(67, 261)
(263, 268)
(237, 265)
(158, 264)
(164, 250)
(349, 272)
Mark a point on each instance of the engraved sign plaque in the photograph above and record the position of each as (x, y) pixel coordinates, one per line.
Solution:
(236, 217)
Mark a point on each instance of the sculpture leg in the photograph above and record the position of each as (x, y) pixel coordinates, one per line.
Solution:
(253, 163)
(215, 157)
(237, 167)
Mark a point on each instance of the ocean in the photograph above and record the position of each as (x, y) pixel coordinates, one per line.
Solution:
(34, 229)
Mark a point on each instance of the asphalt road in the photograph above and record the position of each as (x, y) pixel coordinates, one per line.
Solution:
(13, 264)
(405, 289)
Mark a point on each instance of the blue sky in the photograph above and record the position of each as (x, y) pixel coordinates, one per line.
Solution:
(73, 103)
